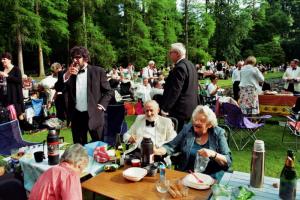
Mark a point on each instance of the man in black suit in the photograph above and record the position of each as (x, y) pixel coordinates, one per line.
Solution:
(88, 94)
(180, 95)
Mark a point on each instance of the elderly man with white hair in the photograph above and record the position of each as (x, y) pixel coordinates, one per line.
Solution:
(180, 96)
(159, 128)
(149, 71)
(201, 137)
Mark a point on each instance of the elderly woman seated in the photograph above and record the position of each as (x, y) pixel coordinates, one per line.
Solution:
(62, 181)
(203, 137)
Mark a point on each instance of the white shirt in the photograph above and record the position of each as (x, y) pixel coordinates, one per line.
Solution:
(211, 87)
(155, 91)
(81, 91)
(251, 76)
(148, 72)
(292, 74)
(236, 75)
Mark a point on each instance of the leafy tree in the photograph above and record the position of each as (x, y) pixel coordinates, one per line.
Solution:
(164, 26)
(201, 29)
(55, 27)
(232, 26)
(23, 26)
(85, 32)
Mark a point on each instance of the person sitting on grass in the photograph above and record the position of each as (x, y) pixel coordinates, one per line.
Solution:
(62, 181)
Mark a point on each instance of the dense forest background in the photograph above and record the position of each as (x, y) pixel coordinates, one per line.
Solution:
(118, 32)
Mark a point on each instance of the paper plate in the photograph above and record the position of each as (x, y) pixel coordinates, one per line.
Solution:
(190, 181)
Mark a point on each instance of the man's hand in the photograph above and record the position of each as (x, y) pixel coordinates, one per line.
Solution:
(163, 113)
(132, 139)
(3, 74)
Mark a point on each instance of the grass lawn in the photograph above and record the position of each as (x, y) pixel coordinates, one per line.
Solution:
(228, 83)
(271, 134)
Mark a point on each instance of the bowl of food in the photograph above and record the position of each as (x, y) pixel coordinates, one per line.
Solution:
(134, 173)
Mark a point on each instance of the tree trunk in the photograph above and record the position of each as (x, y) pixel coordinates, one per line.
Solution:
(40, 49)
(84, 24)
(20, 52)
(186, 38)
(41, 61)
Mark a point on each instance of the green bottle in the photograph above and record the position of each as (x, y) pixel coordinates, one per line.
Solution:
(288, 178)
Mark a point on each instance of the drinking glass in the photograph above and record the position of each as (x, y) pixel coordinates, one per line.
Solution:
(162, 186)
(200, 163)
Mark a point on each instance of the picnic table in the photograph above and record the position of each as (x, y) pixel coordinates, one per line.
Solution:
(268, 191)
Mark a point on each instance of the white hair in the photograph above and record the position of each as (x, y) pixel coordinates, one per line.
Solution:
(179, 47)
(74, 154)
(209, 114)
(153, 103)
(151, 62)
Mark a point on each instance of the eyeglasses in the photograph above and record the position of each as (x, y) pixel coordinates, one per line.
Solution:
(77, 57)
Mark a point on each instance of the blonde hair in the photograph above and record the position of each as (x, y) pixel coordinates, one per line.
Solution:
(55, 66)
(209, 114)
(251, 60)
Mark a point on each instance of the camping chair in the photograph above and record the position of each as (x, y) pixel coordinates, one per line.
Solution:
(174, 122)
(239, 124)
(292, 124)
(10, 137)
(207, 100)
(115, 123)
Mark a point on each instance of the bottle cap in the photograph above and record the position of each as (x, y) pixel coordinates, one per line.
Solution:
(259, 146)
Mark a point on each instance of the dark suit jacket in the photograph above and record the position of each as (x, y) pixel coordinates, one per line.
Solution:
(99, 92)
(14, 91)
(180, 96)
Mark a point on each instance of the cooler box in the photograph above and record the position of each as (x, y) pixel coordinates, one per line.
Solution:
(90, 147)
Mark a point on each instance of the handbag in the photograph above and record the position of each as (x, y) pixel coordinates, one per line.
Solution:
(4, 115)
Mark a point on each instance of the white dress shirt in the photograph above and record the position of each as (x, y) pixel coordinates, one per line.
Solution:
(236, 75)
(81, 91)
(292, 74)
(148, 72)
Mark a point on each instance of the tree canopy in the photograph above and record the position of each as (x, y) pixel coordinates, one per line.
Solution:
(119, 32)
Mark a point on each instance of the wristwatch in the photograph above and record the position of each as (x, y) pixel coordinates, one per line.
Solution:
(214, 157)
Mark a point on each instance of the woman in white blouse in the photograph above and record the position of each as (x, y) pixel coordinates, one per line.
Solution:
(249, 86)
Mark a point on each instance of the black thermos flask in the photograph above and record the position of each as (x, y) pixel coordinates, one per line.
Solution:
(53, 146)
(147, 151)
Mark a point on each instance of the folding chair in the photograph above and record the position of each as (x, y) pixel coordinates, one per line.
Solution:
(239, 124)
(292, 124)
(115, 123)
(11, 137)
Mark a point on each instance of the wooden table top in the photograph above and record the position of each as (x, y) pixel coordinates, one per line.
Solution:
(114, 185)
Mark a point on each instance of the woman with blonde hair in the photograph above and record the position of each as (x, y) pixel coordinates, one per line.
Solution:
(249, 86)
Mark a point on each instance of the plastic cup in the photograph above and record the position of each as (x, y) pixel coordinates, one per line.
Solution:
(200, 163)
(136, 163)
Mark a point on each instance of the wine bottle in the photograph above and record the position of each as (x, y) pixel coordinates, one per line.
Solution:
(288, 178)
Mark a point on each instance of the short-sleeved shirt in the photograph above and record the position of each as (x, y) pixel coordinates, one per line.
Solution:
(57, 183)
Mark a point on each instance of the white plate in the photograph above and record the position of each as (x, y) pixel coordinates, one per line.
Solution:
(190, 181)
(134, 173)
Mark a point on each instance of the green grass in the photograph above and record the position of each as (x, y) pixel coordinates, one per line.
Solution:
(271, 134)
(228, 83)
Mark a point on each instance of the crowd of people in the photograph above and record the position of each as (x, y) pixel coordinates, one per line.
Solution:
(82, 92)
